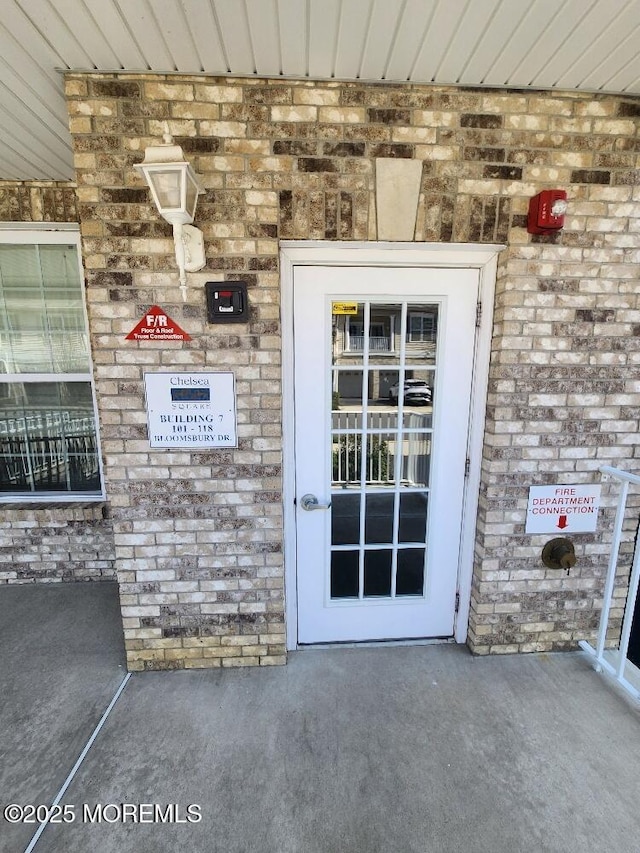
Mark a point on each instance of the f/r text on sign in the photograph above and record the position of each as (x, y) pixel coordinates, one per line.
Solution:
(157, 325)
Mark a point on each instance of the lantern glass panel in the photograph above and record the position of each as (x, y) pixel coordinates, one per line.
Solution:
(166, 185)
(192, 196)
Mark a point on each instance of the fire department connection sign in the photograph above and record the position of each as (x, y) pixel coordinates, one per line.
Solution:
(191, 409)
(564, 509)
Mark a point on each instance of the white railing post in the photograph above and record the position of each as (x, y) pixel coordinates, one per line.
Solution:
(611, 571)
(598, 654)
(629, 611)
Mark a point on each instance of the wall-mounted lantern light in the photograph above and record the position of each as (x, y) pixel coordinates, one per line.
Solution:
(175, 188)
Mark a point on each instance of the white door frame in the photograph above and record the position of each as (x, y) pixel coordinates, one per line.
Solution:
(484, 258)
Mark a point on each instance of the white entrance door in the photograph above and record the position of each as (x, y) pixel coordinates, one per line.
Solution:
(383, 366)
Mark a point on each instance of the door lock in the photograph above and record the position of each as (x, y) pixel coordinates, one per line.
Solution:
(310, 502)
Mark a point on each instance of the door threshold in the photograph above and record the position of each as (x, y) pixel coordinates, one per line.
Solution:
(376, 644)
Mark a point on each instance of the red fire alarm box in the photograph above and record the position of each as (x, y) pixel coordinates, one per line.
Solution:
(546, 211)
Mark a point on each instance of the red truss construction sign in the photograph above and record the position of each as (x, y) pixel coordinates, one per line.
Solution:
(157, 325)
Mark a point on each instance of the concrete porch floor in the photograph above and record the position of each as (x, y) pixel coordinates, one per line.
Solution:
(420, 749)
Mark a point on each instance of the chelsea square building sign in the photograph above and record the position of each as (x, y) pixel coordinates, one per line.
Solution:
(191, 409)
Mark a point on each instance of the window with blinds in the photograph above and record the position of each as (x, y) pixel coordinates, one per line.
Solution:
(48, 424)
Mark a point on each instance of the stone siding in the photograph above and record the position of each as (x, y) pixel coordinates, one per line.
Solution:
(38, 201)
(198, 535)
(55, 545)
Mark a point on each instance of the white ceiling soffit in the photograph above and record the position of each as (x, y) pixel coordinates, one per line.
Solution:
(591, 45)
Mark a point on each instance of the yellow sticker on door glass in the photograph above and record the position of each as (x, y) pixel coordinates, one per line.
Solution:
(344, 307)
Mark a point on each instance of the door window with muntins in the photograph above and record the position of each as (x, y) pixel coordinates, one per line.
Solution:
(381, 435)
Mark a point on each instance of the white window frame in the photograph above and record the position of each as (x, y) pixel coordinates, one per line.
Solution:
(59, 233)
(422, 315)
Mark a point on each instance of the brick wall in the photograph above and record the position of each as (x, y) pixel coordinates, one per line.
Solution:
(62, 543)
(37, 201)
(199, 535)
(55, 545)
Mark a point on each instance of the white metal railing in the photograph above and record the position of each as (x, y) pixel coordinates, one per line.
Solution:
(620, 663)
(48, 449)
(347, 460)
(349, 420)
(356, 344)
(382, 449)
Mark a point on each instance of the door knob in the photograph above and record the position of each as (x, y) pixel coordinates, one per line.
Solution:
(310, 502)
